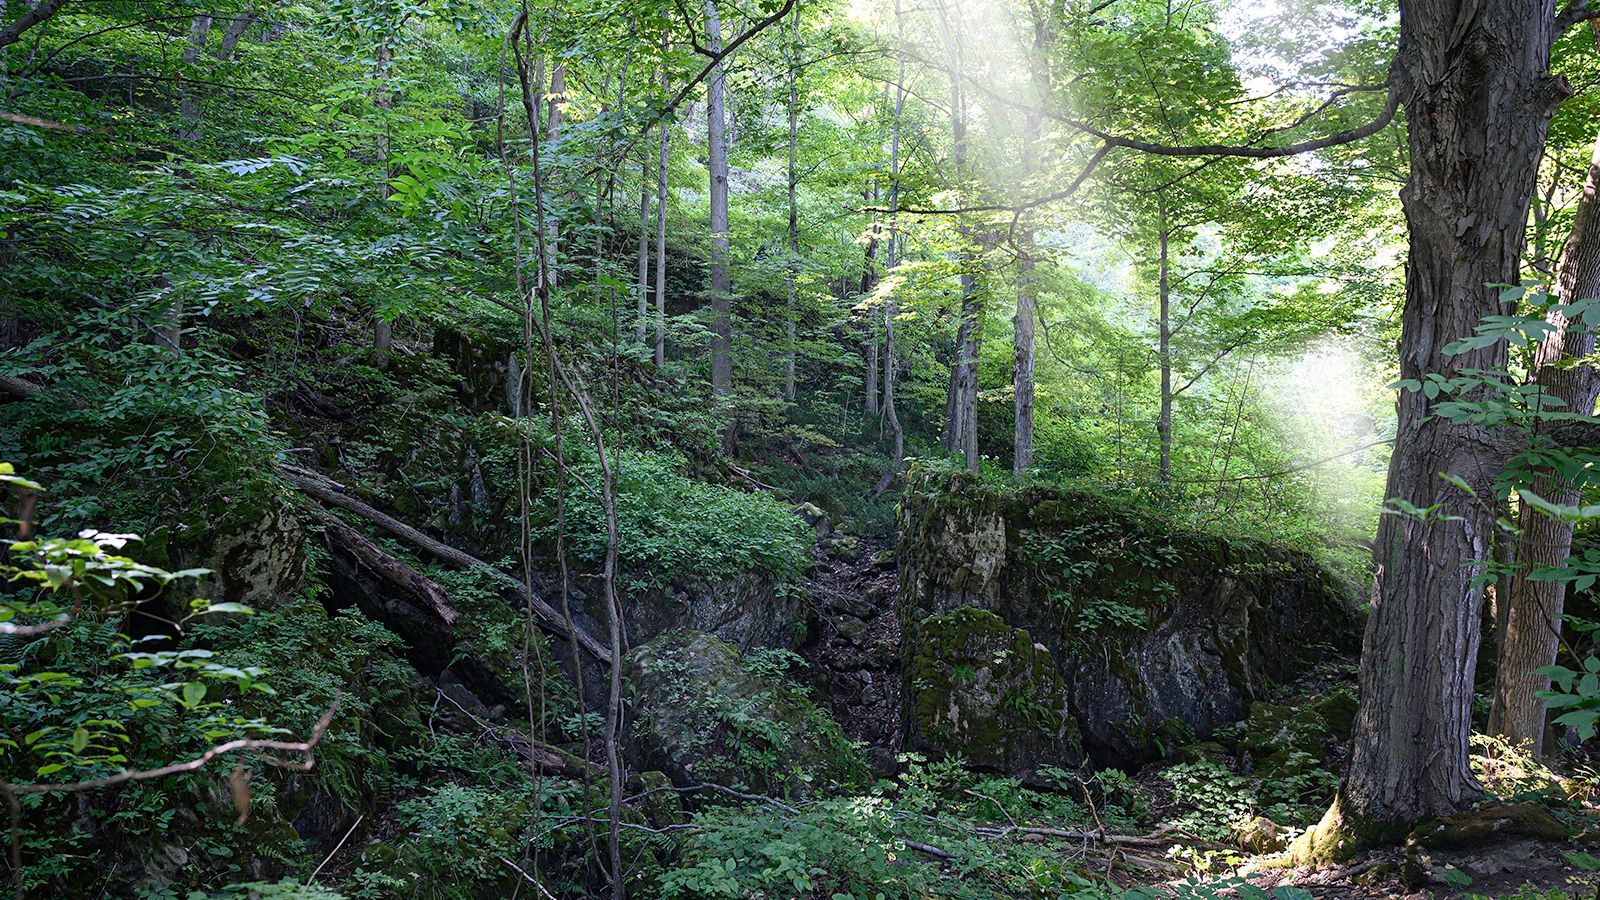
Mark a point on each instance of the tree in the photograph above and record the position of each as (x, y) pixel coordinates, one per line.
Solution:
(1465, 204)
(1531, 630)
(717, 167)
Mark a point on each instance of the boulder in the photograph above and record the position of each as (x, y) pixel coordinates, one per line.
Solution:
(700, 715)
(250, 539)
(1157, 632)
(747, 611)
(979, 689)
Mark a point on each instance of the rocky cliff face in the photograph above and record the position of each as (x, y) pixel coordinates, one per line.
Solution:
(1155, 635)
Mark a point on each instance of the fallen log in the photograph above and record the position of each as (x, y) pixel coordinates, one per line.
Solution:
(326, 490)
(411, 586)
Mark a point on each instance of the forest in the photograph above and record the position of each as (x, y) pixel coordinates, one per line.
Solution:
(847, 449)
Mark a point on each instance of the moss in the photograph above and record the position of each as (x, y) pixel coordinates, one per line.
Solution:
(1341, 835)
(1491, 823)
(980, 689)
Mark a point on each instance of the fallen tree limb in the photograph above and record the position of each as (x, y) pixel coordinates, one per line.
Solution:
(16, 387)
(326, 490)
(409, 584)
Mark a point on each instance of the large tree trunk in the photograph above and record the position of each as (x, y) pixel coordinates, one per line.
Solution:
(1475, 83)
(1531, 630)
(717, 153)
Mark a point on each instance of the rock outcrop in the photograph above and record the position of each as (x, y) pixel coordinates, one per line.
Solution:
(701, 714)
(1158, 634)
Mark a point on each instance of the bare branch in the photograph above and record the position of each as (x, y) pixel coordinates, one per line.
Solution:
(302, 747)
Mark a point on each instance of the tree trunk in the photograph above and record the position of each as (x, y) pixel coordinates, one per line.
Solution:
(1164, 346)
(869, 349)
(641, 328)
(961, 406)
(717, 152)
(555, 106)
(890, 308)
(189, 107)
(1022, 383)
(231, 37)
(1531, 631)
(661, 226)
(383, 329)
(1478, 97)
(1022, 361)
(794, 210)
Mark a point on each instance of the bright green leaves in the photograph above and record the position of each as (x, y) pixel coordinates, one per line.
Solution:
(1577, 692)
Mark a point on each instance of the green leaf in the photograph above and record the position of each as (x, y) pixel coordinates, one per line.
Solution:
(193, 693)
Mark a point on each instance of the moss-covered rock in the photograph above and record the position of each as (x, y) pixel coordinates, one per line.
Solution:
(1274, 728)
(979, 689)
(1489, 824)
(1149, 625)
(250, 539)
(699, 715)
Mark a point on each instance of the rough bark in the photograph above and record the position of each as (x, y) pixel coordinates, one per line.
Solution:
(717, 165)
(869, 349)
(1531, 629)
(189, 106)
(1478, 96)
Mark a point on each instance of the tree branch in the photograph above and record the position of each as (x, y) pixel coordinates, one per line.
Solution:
(40, 13)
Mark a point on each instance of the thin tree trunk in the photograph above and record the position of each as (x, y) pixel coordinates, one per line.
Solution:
(890, 308)
(1022, 359)
(717, 151)
(1466, 202)
(232, 36)
(869, 349)
(383, 329)
(189, 106)
(1164, 345)
(794, 210)
(661, 223)
(961, 406)
(555, 107)
(1531, 632)
(641, 328)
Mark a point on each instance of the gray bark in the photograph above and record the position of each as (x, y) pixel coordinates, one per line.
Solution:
(794, 210)
(1530, 632)
(661, 231)
(717, 153)
(641, 328)
(890, 308)
(1478, 97)
(1164, 345)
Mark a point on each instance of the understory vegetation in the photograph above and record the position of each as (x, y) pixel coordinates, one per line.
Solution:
(798, 448)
